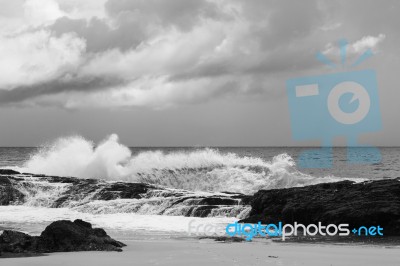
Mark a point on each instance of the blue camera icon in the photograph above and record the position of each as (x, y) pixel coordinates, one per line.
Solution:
(327, 106)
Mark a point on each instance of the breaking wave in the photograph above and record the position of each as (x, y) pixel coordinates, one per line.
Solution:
(196, 170)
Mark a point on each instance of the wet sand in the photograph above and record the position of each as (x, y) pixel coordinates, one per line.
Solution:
(208, 252)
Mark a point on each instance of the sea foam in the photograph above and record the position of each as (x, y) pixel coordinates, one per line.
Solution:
(203, 169)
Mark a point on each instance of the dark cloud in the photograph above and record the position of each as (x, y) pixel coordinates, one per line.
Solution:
(181, 13)
(173, 47)
(86, 85)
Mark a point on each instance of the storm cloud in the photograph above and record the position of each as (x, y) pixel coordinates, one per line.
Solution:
(159, 54)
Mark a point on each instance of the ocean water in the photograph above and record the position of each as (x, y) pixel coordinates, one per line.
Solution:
(198, 169)
(55, 159)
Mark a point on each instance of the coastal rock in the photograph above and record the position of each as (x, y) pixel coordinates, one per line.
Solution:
(79, 235)
(121, 190)
(8, 172)
(16, 242)
(60, 236)
(369, 203)
(99, 196)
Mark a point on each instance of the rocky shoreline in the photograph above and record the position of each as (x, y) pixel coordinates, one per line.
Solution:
(368, 203)
(25, 189)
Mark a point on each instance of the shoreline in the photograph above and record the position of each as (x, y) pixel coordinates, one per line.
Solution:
(208, 252)
(111, 204)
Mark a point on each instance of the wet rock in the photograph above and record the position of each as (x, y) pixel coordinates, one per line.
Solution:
(77, 192)
(76, 236)
(60, 236)
(16, 242)
(369, 203)
(218, 201)
(122, 191)
(8, 172)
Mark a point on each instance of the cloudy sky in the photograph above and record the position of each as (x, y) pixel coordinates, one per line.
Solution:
(180, 72)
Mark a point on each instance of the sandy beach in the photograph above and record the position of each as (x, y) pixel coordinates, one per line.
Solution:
(207, 252)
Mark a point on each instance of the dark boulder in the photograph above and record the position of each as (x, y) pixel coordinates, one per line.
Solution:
(60, 236)
(369, 203)
(77, 236)
(16, 242)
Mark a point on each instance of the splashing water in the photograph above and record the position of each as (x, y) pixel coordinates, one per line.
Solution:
(199, 170)
(39, 193)
(190, 176)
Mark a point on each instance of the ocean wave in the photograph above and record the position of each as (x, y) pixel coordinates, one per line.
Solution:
(196, 170)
